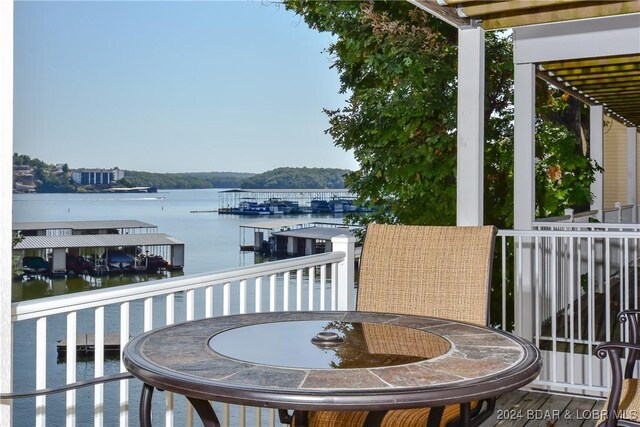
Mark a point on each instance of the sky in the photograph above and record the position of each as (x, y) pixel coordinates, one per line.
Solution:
(173, 86)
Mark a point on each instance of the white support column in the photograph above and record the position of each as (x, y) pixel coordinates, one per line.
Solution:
(470, 179)
(524, 194)
(632, 170)
(524, 150)
(6, 183)
(345, 274)
(596, 143)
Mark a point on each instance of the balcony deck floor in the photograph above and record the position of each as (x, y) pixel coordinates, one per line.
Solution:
(533, 409)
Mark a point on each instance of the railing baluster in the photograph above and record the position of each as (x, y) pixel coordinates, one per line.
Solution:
(242, 415)
(98, 353)
(170, 313)
(208, 301)
(148, 314)
(41, 370)
(323, 286)
(312, 273)
(243, 297)
(258, 295)
(572, 308)
(226, 299)
(272, 292)
(285, 290)
(299, 274)
(191, 304)
(334, 286)
(71, 367)
(124, 384)
(590, 310)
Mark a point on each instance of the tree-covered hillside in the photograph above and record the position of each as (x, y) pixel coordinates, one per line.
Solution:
(298, 178)
(57, 178)
(184, 180)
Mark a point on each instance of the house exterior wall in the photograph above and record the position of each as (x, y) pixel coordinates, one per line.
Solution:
(615, 164)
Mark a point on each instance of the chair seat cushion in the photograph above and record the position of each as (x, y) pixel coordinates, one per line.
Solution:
(629, 407)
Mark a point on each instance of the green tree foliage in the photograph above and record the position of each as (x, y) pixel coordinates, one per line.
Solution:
(298, 178)
(183, 180)
(49, 178)
(399, 67)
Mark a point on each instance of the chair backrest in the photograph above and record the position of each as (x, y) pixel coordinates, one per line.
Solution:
(427, 270)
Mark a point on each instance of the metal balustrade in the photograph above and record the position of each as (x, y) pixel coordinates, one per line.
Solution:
(568, 285)
(560, 286)
(316, 282)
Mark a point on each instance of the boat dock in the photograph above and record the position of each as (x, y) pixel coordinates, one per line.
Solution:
(258, 202)
(86, 344)
(292, 237)
(96, 247)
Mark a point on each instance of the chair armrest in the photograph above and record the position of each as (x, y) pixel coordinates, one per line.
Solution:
(624, 315)
(614, 350)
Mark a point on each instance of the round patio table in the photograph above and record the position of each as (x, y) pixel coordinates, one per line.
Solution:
(330, 360)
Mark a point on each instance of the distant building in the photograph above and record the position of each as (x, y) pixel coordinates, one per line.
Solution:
(97, 176)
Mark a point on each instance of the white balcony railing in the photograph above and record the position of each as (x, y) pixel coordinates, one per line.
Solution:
(561, 288)
(316, 282)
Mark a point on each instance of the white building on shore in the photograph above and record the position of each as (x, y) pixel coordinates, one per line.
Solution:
(97, 176)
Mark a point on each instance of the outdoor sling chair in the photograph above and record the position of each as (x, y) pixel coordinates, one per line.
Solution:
(427, 271)
(622, 407)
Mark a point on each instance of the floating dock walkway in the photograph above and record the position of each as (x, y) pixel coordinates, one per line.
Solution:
(86, 344)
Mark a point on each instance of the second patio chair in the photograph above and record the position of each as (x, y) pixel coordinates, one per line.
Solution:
(623, 404)
(428, 271)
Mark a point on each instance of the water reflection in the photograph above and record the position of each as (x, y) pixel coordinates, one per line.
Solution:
(33, 287)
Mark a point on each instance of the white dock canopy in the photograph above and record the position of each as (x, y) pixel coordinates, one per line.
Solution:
(76, 227)
(97, 241)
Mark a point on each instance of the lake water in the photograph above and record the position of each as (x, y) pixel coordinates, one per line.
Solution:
(212, 242)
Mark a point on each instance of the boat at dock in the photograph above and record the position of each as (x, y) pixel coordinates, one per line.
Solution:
(96, 247)
(286, 202)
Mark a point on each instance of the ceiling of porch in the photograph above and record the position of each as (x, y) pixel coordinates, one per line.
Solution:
(613, 81)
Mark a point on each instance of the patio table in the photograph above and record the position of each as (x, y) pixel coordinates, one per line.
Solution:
(330, 360)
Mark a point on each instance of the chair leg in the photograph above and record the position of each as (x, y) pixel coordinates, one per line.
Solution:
(285, 416)
(301, 418)
(435, 416)
(476, 416)
(145, 405)
(205, 411)
(374, 418)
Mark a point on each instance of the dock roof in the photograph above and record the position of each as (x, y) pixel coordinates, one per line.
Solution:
(81, 225)
(279, 223)
(97, 241)
(318, 233)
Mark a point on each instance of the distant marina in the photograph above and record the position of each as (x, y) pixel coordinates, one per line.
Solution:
(258, 202)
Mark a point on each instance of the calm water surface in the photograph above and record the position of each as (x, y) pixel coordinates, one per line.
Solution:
(211, 243)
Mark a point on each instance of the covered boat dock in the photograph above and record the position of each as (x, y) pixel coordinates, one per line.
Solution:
(65, 228)
(293, 236)
(94, 240)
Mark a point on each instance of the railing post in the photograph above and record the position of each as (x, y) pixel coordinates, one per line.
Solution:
(619, 208)
(6, 184)
(569, 212)
(345, 280)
